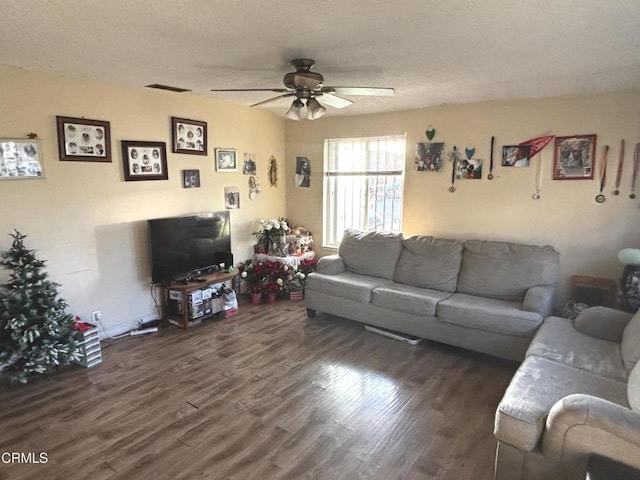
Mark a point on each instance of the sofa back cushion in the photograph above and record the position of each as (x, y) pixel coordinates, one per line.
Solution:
(630, 346)
(429, 262)
(372, 253)
(506, 270)
(633, 388)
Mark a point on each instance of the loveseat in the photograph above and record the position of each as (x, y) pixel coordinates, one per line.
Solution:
(574, 401)
(486, 296)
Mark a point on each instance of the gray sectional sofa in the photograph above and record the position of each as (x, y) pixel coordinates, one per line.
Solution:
(574, 401)
(481, 295)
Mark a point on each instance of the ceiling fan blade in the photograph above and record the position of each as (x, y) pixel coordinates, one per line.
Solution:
(334, 100)
(273, 99)
(375, 91)
(276, 90)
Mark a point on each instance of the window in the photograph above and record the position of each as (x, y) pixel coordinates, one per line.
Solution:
(363, 185)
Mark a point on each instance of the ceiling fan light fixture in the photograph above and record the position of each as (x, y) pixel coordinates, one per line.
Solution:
(294, 111)
(316, 110)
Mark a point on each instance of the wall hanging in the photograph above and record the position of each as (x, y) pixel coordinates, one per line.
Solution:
(574, 157)
(516, 155)
(226, 160)
(249, 164)
(273, 171)
(191, 178)
(600, 198)
(84, 140)
(20, 158)
(254, 188)
(634, 175)
(144, 160)
(429, 156)
(620, 166)
(303, 172)
(231, 198)
(188, 136)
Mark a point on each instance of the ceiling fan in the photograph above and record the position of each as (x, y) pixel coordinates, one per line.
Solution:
(307, 86)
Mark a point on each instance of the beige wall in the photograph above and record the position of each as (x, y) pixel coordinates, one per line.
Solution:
(87, 221)
(586, 234)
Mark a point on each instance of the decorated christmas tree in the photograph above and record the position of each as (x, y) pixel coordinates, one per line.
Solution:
(35, 331)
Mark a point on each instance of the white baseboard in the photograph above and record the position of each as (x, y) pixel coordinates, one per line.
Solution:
(395, 335)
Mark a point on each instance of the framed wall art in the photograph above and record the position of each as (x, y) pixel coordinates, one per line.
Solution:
(516, 155)
(429, 156)
(144, 160)
(574, 157)
(191, 178)
(20, 158)
(84, 140)
(226, 160)
(189, 136)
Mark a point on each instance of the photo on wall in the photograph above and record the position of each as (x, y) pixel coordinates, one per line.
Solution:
(231, 198)
(516, 155)
(429, 156)
(303, 172)
(191, 178)
(469, 169)
(249, 164)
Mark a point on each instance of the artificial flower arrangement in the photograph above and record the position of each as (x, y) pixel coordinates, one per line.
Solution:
(270, 230)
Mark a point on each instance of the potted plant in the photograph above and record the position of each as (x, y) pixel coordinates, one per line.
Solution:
(272, 288)
(271, 237)
(256, 275)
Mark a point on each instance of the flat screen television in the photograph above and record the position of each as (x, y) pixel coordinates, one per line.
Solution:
(185, 246)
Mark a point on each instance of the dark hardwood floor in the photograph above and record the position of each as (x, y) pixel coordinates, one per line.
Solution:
(266, 394)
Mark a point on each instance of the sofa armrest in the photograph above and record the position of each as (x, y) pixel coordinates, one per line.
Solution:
(581, 425)
(331, 265)
(539, 299)
(602, 322)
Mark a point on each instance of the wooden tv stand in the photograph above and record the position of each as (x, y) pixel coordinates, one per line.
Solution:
(182, 320)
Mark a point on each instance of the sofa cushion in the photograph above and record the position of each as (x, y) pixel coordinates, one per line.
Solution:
(631, 342)
(558, 340)
(537, 385)
(345, 285)
(405, 298)
(633, 388)
(488, 314)
(372, 253)
(505, 270)
(429, 262)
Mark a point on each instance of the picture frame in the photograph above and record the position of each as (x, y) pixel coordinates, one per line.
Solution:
(189, 136)
(144, 160)
(226, 160)
(20, 158)
(231, 198)
(83, 140)
(429, 156)
(574, 157)
(191, 178)
(516, 155)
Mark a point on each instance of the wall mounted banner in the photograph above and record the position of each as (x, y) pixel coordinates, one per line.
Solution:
(538, 144)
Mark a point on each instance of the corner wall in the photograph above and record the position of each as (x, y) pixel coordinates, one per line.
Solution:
(87, 222)
(587, 235)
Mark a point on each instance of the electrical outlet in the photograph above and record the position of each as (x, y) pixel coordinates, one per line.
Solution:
(96, 316)
(140, 322)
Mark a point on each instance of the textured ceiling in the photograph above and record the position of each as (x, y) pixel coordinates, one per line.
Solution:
(431, 52)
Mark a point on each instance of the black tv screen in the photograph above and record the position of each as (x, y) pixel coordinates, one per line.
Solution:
(180, 246)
